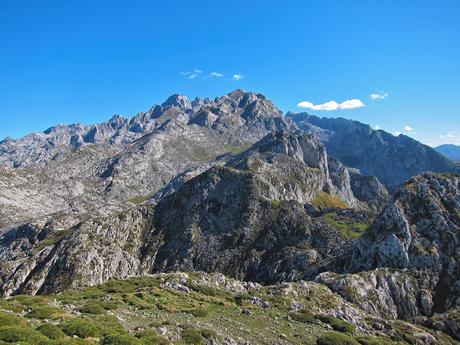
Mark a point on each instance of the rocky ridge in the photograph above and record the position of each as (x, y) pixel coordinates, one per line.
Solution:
(392, 159)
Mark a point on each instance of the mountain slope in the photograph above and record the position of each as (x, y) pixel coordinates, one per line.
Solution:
(246, 219)
(374, 152)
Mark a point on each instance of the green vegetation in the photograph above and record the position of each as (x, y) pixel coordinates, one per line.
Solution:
(135, 311)
(81, 328)
(303, 316)
(324, 200)
(235, 149)
(43, 312)
(16, 334)
(347, 226)
(337, 324)
(192, 336)
(93, 308)
(139, 199)
(51, 331)
(335, 338)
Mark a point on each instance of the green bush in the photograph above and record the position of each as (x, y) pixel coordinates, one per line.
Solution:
(81, 328)
(335, 338)
(51, 331)
(30, 301)
(199, 312)
(124, 339)
(208, 333)
(149, 337)
(241, 297)
(93, 308)
(67, 341)
(43, 312)
(15, 334)
(192, 336)
(108, 325)
(337, 324)
(10, 320)
(367, 340)
(303, 316)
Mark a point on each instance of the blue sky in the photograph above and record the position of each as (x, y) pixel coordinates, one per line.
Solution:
(83, 61)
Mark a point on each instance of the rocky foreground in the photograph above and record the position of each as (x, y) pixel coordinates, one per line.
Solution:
(199, 308)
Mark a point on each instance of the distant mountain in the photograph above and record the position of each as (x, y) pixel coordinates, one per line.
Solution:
(374, 152)
(450, 151)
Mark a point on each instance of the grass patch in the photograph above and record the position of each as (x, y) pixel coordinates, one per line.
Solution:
(348, 228)
(324, 200)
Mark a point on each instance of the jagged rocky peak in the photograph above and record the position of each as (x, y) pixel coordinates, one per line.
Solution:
(179, 101)
(295, 144)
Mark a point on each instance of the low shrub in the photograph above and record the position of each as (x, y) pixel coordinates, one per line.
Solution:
(81, 328)
(241, 297)
(335, 338)
(108, 325)
(337, 324)
(15, 334)
(10, 320)
(51, 331)
(192, 336)
(43, 312)
(149, 337)
(93, 308)
(303, 316)
(199, 312)
(208, 333)
(368, 340)
(118, 339)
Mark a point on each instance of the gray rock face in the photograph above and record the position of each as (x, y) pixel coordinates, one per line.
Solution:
(410, 252)
(69, 171)
(245, 219)
(374, 152)
(418, 229)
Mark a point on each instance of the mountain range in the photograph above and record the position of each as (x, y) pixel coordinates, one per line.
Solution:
(233, 186)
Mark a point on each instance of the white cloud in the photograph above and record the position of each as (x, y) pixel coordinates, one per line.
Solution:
(192, 74)
(397, 133)
(204, 75)
(450, 136)
(332, 105)
(377, 127)
(408, 129)
(379, 95)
